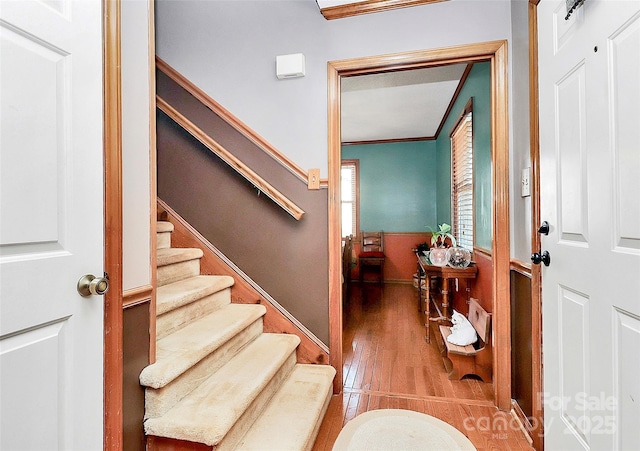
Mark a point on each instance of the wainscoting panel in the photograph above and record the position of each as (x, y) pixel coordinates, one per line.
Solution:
(135, 358)
(521, 343)
(400, 264)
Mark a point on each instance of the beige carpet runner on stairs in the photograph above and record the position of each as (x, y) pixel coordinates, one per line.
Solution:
(219, 379)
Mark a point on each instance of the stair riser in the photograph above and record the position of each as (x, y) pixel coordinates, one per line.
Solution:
(173, 320)
(240, 428)
(178, 271)
(181, 293)
(314, 434)
(159, 401)
(163, 240)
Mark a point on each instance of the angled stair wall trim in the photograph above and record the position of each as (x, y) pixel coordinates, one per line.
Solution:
(214, 106)
(242, 169)
(220, 381)
(277, 318)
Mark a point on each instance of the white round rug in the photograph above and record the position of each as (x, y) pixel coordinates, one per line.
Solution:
(401, 430)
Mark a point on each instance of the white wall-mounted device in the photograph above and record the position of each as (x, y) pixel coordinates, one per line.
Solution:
(290, 66)
(525, 186)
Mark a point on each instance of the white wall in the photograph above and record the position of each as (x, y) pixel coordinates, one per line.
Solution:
(520, 207)
(228, 48)
(135, 144)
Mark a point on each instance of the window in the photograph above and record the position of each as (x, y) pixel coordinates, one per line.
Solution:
(349, 197)
(462, 178)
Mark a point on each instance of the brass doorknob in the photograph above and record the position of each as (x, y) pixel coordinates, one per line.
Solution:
(90, 284)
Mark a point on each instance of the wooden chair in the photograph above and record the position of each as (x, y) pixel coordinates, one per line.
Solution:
(462, 360)
(372, 254)
(347, 260)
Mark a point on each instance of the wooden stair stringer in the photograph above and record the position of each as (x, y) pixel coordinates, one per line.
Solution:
(310, 350)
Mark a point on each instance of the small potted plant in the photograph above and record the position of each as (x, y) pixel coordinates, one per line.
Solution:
(439, 244)
(439, 237)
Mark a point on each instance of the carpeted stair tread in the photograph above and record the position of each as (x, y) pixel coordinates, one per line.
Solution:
(208, 413)
(164, 231)
(173, 255)
(181, 350)
(164, 226)
(177, 294)
(293, 416)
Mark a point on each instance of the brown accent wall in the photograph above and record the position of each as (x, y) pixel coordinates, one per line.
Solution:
(274, 321)
(135, 358)
(521, 343)
(287, 258)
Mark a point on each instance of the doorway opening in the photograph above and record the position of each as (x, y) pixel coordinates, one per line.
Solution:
(495, 53)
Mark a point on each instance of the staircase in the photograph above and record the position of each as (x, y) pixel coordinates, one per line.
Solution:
(218, 379)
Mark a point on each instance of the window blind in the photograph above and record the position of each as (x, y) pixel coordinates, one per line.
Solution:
(349, 197)
(462, 181)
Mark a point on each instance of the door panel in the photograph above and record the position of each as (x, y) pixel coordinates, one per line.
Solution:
(573, 324)
(589, 67)
(626, 387)
(33, 366)
(625, 89)
(34, 141)
(572, 192)
(51, 224)
(33, 75)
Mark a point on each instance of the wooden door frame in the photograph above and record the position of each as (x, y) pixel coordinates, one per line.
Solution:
(496, 53)
(537, 432)
(113, 318)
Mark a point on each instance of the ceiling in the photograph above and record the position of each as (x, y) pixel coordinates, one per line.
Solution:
(397, 105)
(394, 105)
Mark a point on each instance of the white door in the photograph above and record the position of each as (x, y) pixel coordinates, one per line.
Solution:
(51, 224)
(589, 81)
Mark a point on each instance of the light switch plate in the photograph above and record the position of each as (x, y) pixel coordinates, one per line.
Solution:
(526, 182)
(314, 179)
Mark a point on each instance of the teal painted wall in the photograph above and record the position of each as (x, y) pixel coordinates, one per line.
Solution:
(397, 185)
(478, 86)
(405, 187)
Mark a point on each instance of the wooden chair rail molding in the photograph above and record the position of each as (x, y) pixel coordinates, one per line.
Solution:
(232, 161)
(234, 121)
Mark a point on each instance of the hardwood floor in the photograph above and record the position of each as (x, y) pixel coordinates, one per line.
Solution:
(389, 365)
